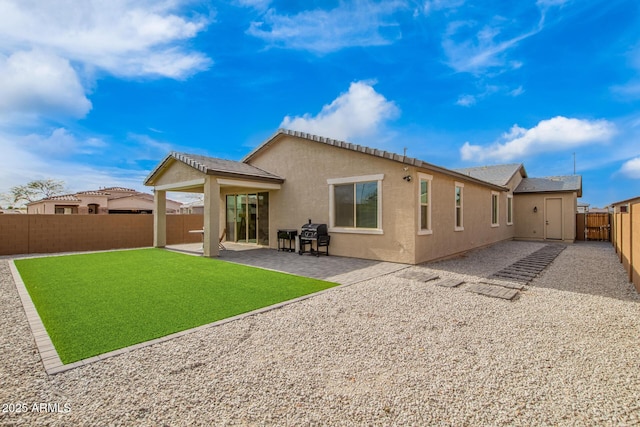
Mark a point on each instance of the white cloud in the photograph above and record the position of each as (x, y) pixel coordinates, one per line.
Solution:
(477, 48)
(360, 23)
(481, 51)
(43, 156)
(256, 4)
(359, 112)
(549, 3)
(61, 143)
(555, 134)
(631, 168)
(51, 51)
(631, 89)
(37, 82)
(466, 100)
(516, 92)
(123, 37)
(435, 5)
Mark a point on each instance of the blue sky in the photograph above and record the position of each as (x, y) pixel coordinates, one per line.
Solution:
(96, 93)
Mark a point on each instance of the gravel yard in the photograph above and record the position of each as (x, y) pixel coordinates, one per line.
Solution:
(386, 351)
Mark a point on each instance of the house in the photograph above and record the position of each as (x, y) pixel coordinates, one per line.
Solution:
(623, 206)
(113, 200)
(583, 207)
(377, 205)
(192, 208)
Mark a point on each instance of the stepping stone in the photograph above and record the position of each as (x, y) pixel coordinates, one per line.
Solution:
(421, 276)
(492, 291)
(519, 273)
(450, 283)
(525, 267)
(509, 276)
(504, 284)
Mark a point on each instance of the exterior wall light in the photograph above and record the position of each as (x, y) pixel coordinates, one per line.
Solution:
(535, 209)
(407, 178)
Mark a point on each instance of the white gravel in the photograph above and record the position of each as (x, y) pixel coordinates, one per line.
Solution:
(387, 351)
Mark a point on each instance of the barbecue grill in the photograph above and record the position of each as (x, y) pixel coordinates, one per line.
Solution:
(314, 233)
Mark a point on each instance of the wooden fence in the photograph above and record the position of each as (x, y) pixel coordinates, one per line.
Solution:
(37, 234)
(593, 226)
(626, 240)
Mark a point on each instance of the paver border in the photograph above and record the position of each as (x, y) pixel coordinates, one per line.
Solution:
(52, 362)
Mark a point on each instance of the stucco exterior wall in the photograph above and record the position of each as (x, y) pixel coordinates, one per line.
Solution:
(126, 203)
(530, 225)
(306, 167)
(81, 207)
(477, 228)
(178, 172)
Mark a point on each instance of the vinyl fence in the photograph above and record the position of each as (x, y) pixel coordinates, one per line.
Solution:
(626, 240)
(38, 234)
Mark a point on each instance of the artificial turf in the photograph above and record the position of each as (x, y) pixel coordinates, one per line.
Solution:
(94, 303)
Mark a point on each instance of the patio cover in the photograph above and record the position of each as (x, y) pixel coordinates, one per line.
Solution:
(201, 174)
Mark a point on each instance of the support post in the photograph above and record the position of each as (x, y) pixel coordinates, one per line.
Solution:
(160, 219)
(211, 217)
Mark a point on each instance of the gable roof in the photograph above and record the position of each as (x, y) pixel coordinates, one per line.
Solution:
(632, 200)
(551, 184)
(214, 166)
(60, 198)
(92, 193)
(119, 189)
(120, 193)
(411, 161)
(496, 174)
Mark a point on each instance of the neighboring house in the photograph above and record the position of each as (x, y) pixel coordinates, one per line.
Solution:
(377, 205)
(583, 207)
(192, 208)
(623, 206)
(606, 209)
(113, 200)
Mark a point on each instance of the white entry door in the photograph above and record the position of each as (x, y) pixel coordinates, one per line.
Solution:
(553, 219)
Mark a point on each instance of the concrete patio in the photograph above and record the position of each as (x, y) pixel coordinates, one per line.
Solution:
(333, 269)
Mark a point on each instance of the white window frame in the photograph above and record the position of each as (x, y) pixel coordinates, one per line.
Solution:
(495, 196)
(455, 207)
(354, 180)
(509, 209)
(428, 179)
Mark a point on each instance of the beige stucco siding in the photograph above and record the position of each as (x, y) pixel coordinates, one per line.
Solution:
(49, 206)
(306, 167)
(178, 172)
(477, 229)
(530, 225)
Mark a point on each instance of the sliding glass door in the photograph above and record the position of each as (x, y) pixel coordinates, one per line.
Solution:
(248, 218)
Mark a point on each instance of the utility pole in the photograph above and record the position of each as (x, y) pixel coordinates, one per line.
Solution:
(574, 163)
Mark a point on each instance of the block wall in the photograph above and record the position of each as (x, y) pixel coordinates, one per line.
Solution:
(32, 234)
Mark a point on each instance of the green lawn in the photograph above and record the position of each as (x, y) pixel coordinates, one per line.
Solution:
(95, 303)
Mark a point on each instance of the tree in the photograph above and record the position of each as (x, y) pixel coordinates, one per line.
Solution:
(36, 190)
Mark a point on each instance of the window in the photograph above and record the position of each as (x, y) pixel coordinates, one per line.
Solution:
(495, 209)
(63, 210)
(459, 225)
(509, 209)
(424, 204)
(355, 204)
